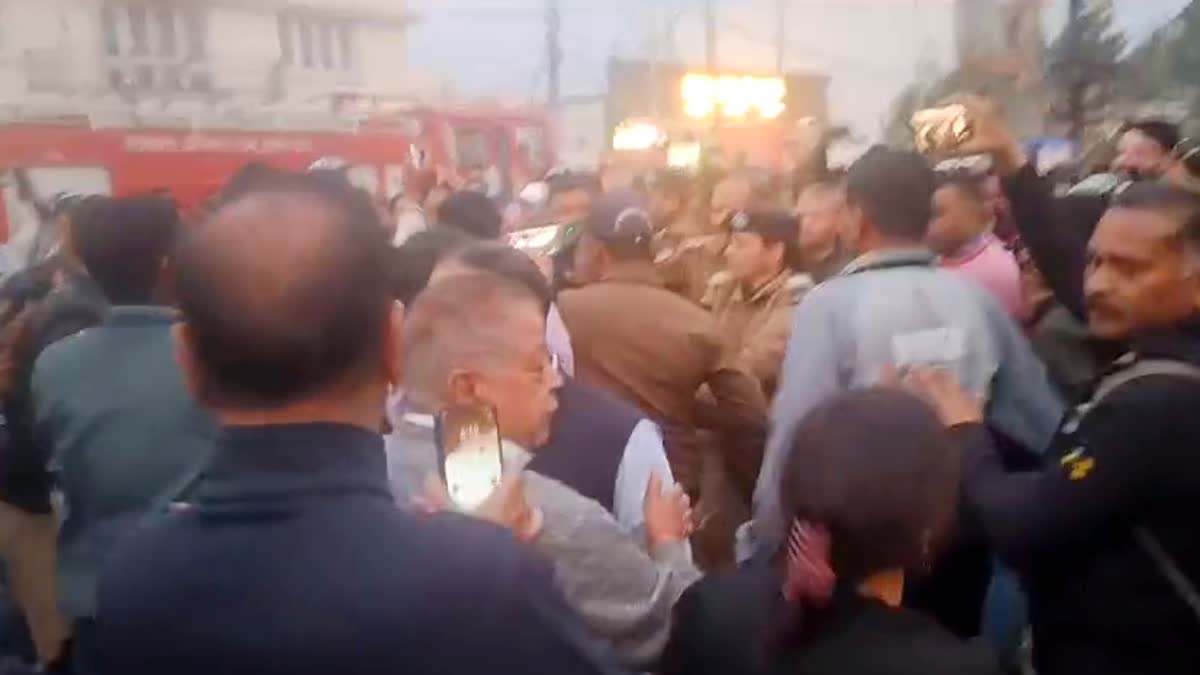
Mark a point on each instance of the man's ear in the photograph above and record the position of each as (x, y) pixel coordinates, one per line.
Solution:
(185, 357)
(393, 352)
(852, 226)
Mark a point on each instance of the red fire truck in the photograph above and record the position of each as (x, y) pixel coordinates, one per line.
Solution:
(73, 154)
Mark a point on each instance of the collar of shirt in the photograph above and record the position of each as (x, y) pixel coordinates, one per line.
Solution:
(295, 461)
(914, 256)
(140, 315)
(764, 292)
(970, 251)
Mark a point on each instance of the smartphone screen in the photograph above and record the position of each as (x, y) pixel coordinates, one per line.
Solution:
(469, 453)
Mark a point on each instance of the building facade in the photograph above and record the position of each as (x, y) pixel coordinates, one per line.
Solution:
(221, 58)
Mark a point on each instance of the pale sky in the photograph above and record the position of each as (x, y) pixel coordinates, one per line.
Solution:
(871, 48)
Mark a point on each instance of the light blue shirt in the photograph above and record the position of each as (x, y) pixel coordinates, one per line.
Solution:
(896, 309)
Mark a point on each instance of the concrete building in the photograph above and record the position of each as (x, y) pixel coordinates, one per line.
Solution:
(215, 59)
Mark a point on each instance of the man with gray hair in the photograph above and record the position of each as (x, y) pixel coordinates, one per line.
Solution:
(478, 339)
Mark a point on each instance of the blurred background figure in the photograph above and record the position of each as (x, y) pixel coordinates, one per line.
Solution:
(1144, 149)
(821, 208)
(962, 234)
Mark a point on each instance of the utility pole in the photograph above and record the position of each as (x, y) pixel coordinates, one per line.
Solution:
(1078, 72)
(781, 36)
(710, 37)
(655, 60)
(554, 54)
(710, 54)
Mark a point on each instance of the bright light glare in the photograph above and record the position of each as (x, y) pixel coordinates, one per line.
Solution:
(637, 136)
(735, 96)
(683, 155)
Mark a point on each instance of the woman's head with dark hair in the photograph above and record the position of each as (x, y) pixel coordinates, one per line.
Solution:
(873, 471)
(501, 260)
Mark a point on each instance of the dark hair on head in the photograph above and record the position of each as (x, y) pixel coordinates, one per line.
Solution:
(505, 261)
(1165, 134)
(894, 188)
(472, 212)
(414, 261)
(626, 250)
(1177, 203)
(969, 183)
(244, 179)
(570, 181)
(123, 244)
(285, 308)
(878, 471)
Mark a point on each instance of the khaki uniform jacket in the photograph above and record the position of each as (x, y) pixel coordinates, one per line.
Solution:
(687, 259)
(656, 350)
(757, 326)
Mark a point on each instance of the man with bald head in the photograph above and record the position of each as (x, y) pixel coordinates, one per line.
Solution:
(293, 558)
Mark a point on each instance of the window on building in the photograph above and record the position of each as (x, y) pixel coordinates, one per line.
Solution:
(316, 42)
(153, 30)
(165, 20)
(471, 147)
(156, 45)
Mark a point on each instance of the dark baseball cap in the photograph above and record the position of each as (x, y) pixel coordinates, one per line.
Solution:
(620, 217)
(773, 225)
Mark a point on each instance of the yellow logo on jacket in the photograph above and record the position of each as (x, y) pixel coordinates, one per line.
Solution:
(1077, 464)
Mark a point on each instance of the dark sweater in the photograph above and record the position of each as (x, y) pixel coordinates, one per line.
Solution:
(295, 561)
(726, 625)
(588, 437)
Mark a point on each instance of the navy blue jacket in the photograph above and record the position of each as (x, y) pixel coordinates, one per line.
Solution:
(294, 560)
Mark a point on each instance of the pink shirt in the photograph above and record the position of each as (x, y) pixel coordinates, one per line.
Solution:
(987, 263)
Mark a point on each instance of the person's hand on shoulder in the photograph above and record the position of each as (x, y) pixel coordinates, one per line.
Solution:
(668, 513)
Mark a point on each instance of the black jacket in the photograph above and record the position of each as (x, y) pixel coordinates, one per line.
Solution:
(1099, 604)
(294, 560)
(1056, 231)
(724, 625)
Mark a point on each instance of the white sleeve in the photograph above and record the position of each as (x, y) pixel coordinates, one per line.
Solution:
(559, 340)
(644, 455)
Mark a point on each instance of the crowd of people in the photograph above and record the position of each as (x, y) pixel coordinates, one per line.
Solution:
(919, 419)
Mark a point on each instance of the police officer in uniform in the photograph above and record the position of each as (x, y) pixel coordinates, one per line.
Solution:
(688, 252)
(754, 299)
(657, 350)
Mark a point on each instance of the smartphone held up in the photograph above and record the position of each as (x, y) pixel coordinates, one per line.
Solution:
(470, 454)
(942, 130)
